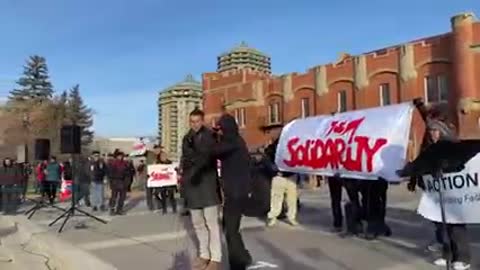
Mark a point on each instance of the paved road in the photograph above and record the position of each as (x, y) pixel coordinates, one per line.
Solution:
(147, 241)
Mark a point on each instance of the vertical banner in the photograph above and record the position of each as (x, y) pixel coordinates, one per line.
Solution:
(363, 144)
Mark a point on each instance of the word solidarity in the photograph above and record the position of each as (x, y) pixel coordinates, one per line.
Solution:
(341, 147)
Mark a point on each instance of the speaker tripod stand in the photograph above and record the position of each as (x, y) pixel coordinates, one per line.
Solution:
(72, 211)
(39, 205)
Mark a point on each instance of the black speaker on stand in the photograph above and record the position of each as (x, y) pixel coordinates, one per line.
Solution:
(42, 152)
(42, 149)
(71, 143)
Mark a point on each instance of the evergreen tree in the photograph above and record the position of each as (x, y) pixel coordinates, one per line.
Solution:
(34, 84)
(79, 114)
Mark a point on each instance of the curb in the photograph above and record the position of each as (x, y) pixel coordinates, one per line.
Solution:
(61, 254)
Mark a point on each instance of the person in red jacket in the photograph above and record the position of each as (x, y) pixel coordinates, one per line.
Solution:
(40, 176)
(117, 175)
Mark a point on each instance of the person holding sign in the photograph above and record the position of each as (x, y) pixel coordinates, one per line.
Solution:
(459, 250)
(168, 192)
(200, 189)
(151, 193)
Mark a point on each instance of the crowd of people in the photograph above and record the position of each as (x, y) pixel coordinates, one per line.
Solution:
(90, 175)
(249, 185)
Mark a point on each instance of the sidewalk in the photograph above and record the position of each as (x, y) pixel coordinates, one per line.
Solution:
(155, 242)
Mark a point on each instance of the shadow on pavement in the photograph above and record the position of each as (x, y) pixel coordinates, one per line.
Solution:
(407, 227)
(283, 258)
(181, 261)
(133, 202)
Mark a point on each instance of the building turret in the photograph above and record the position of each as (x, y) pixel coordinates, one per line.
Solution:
(174, 106)
(462, 55)
(242, 57)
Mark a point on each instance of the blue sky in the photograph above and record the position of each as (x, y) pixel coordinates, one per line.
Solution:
(123, 52)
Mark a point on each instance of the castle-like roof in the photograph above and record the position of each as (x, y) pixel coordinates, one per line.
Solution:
(188, 83)
(243, 47)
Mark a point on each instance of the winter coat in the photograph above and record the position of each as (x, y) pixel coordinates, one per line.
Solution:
(117, 174)
(232, 151)
(151, 158)
(82, 171)
(199, 170)
(67, 171)
(130, 170)
(40, 172)
(258, 204)
(271, 151)
(10, 175)
(53, 172)
(98, 170)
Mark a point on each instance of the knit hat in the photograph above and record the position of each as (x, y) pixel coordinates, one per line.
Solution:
(445, 132)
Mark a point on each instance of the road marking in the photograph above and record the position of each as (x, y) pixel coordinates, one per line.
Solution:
(262, 264)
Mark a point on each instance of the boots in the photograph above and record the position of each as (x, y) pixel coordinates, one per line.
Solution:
(213, 266)
(200, 264)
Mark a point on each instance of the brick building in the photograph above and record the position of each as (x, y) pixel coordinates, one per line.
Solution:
(442, 69)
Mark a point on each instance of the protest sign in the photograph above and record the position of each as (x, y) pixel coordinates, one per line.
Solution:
(363, 144)
(162, 175)
(461, 195)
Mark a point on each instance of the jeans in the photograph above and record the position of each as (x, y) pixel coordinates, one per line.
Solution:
(207, 229)
(97, 192)
(238, 256)
(82, 192)
(49, 189)
(335, 188)
(168, 193)
(283, 187)
(355, 213)
(459, 247)
(152, 194)
(374, 201)
(117, 198)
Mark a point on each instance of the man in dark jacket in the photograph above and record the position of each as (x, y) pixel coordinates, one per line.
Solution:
(117, 175)
(98, 170)
(262, 172)
(233, 154)
(10, 180)
(82, 179)
(201, 186)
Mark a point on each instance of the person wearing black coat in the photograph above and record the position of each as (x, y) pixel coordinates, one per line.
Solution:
(262, 172)
(10, 180)
(232, 151)
(201, 190)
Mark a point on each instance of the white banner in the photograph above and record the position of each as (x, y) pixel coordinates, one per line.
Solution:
(364, 144)
(461, 195)
(162, 175)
